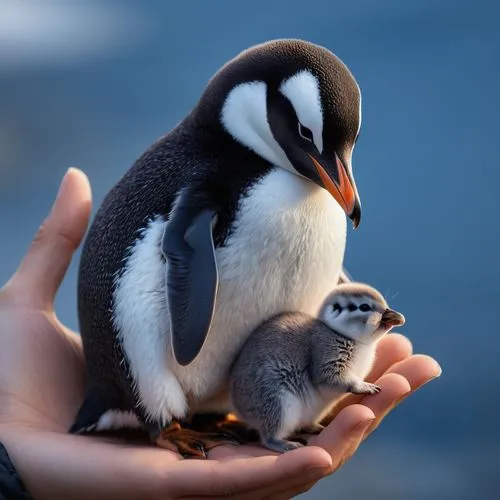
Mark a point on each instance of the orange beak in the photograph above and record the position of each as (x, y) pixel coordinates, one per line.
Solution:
(344, 192)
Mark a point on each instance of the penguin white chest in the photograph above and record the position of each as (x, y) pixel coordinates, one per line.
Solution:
(285, 252)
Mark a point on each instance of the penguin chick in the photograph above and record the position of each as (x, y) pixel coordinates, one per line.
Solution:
(293, 367)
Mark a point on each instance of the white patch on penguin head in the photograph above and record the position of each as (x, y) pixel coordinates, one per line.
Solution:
(302, 90)
(356, 317)
(244, 116)
(359, 312)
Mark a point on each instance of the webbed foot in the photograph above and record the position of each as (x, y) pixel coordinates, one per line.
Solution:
(226, 424)
(191, 443)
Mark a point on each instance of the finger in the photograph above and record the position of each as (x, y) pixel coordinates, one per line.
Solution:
(43, 267)
(288, 487)
(418, 370)
(233, 476)
(401, 380)
(391, 349)
(292, 486)
(285, 490)
(336, 437)
(394, 388)
(344, 432)
(341, 438)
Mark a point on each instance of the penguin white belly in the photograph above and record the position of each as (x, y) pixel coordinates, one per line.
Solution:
(284, 253)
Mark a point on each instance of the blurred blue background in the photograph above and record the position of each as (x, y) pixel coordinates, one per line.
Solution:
(92, 84)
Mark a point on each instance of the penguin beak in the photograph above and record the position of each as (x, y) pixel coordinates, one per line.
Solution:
(392, 318)
(342, 187)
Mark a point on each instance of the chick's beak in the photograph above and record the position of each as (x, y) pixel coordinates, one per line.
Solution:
(341, 187)
(392, 318)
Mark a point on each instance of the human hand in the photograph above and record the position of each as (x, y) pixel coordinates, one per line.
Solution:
(42, 381)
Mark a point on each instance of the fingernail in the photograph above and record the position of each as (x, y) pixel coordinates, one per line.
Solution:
(438, 367)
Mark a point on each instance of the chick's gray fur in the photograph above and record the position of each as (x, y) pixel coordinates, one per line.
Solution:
(291, 353)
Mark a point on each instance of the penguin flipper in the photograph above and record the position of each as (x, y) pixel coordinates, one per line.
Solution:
(191, 278)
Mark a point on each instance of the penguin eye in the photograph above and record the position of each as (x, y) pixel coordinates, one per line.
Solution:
(365, 307)
(305, 133)
(336, 307)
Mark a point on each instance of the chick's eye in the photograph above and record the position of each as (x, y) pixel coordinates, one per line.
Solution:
(364, 307)
(305, 133)
(336, 307)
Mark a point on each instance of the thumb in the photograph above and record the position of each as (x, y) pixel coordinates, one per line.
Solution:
(42, 269)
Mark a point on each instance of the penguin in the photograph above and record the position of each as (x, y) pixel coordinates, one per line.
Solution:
(238, 213)
(293, 367)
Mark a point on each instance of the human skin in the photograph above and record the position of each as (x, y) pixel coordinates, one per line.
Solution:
(42, 377)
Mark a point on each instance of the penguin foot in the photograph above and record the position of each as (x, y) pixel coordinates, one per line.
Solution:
(312, 429)
(192, 443)
(280, 445)
(227, 424)
(304, 433)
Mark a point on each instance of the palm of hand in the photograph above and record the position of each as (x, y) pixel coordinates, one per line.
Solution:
(42, 383)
